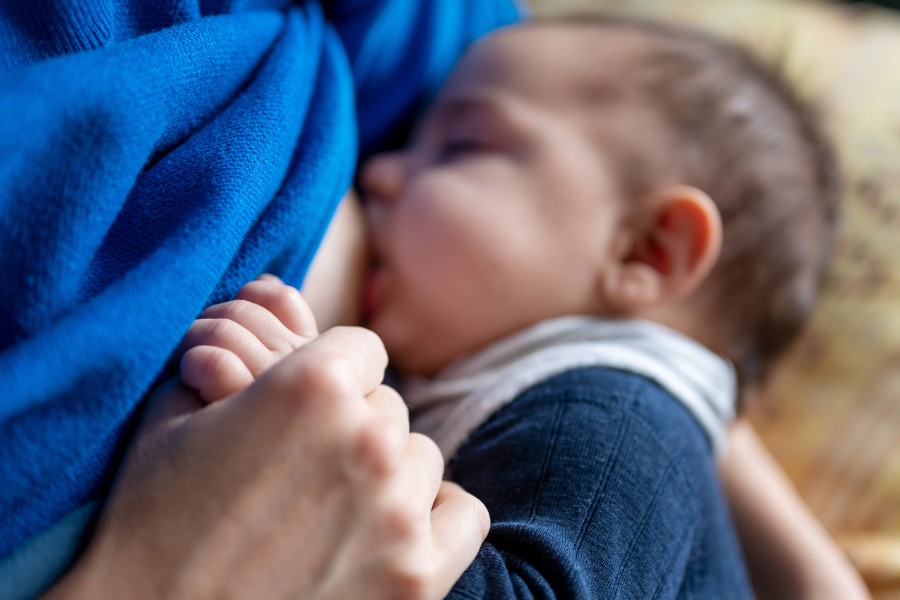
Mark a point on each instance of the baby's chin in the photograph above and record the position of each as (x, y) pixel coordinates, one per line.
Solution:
(412, 359)
(424, 357)
(415, 367)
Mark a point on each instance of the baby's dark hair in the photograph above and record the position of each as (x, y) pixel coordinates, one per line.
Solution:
(743, 136)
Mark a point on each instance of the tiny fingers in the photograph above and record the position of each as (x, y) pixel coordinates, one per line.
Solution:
(259, 321)
(214, 372)
(283, 301)
(265, 322)
(234, 337)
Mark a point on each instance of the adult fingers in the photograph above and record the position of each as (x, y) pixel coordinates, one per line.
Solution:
(283, 301)
(214, 372)
(385, 400)
(259, 321)
(382, 436)
(344, 363)
(322, 387)
(231, 336)
(169, 403)
(459, 524)
(424, 467)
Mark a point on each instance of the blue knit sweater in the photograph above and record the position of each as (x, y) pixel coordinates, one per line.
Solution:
(155, 156)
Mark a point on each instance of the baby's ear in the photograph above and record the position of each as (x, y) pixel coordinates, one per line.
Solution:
(667, 249)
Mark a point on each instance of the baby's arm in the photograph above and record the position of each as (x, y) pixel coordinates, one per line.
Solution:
(789, 554)
(233, 343)
(598, 486)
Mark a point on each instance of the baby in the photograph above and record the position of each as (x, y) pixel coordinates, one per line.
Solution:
(601, 235)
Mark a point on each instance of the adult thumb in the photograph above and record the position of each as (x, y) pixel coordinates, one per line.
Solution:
(171, 403)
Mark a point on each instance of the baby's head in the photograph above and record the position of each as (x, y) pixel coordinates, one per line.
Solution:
(613, 168)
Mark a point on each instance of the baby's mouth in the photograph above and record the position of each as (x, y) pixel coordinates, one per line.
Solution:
(372, 290)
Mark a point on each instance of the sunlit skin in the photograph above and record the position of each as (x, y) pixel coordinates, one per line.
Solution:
(505, 210)
(502, 211)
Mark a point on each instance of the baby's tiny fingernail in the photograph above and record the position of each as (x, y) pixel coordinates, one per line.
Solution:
(268, 277)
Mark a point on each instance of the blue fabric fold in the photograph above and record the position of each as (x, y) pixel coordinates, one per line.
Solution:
(401, 49)
(153, 158)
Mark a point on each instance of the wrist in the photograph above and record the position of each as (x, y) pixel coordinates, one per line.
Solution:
(116, 575)
(82, 580)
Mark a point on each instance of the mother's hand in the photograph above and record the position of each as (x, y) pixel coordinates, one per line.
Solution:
(305, 485)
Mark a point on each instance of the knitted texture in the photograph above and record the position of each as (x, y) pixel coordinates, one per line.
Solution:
(154, 157)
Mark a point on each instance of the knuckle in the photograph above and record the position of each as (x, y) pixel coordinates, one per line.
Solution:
(481, 516)
(234, 307)
(225, 309)
(369, 337)
(330, 376)
(283, 344)
(398, 522)
(200, 360)
(362, 337)
(215, 363)
(251, 286)
(391, 395)
(211, 331)
(212, 309)
(391, 405)
(374, 453)
(428, 448)
(412, 577)
(219, 330)
(318, 385)
(278, 296)
(293, 343)
(286, 296)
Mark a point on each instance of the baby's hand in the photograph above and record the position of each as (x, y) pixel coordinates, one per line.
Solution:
(232, 343)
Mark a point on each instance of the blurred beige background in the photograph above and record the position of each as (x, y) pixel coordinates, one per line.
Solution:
(832, 416)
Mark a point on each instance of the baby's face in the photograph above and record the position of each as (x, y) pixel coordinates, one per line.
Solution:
(502, 211)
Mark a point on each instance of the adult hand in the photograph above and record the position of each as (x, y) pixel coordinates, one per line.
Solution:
(304, 485)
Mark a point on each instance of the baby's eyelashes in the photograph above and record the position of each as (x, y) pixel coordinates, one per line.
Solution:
(455, 149)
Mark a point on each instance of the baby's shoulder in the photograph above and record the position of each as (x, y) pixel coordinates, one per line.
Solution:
(603, 400)
(594, 437)
(594, 417)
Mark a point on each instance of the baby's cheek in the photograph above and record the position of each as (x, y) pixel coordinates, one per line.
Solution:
(333, 286)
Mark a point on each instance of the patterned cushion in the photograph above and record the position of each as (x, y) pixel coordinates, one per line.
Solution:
(832, 416)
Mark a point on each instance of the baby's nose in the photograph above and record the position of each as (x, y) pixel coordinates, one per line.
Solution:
(382, 177)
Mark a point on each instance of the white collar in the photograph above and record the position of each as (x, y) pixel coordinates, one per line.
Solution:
(449, 407)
